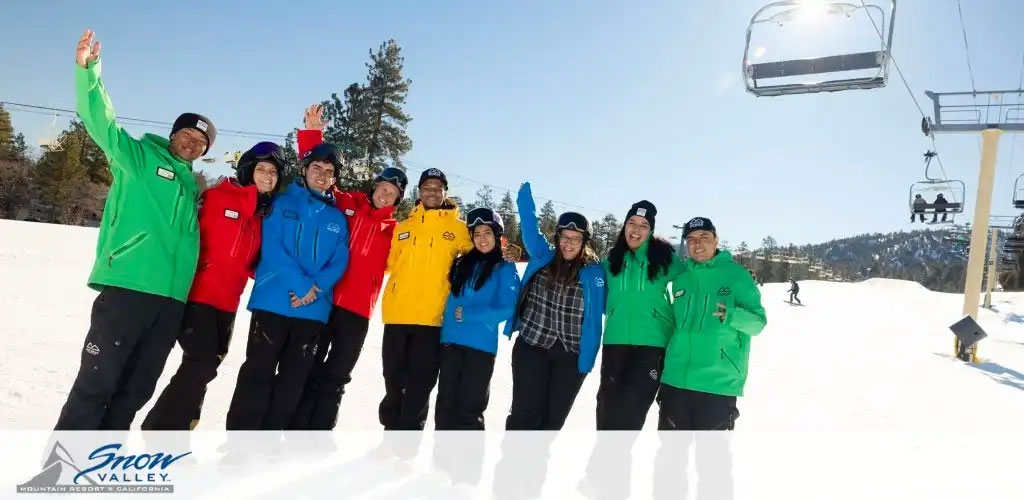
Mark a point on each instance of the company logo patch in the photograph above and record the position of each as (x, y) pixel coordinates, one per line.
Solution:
(653, 374)
(384, 226)
(92, 349)
(231, 214)
(434, 173)
(349, 212)
(403, 236)
(334, 228)
(599, 282)
(201, 125)
(288, 214)
(448, 236)
(107, 471)
(165, 173)
(724, 291)
(642, 212)
(679, 293)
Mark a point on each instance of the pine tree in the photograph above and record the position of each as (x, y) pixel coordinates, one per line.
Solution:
(548, 220)
(94, 159)
(507, 209)
(60, 175)
(484, 198)
(610, 228)
(7, 137)
(597, 238)
(407, 204)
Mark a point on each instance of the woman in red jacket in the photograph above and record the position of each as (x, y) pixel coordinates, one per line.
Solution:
(230, 217)
(371, 226)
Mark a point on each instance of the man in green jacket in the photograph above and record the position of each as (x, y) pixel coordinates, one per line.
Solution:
(717, 310)
(145, 257)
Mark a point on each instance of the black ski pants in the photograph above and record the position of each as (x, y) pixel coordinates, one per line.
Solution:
(544, 386)
(463, 388)
(630, 377)
(130, 335)
(410, 358)
(278, 358)
(337, 352)
(204, 338)
(686, 410)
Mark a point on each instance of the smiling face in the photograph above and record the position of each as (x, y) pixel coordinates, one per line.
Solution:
(264, 175)
(320, 176)
(637, 230)
(701, 245)
(432, 193)
(385, 194)
(188, 144)
(570, 243)
(483, 238)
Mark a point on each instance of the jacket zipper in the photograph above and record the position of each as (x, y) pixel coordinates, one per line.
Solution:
(703, 313)
(316, 239)
(128, 245)
(298, 237)
(238, 239)
(729, 359)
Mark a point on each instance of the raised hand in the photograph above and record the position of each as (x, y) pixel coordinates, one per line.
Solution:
(314, 117)
(88, 50)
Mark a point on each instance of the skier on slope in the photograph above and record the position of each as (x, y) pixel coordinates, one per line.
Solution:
(794, 291)
(718, 310)
(639, 320)
(145, 257)
(561, 306)
(422, 251)
(371, 227)
(484, 289)
(304, 253)
(230, 217)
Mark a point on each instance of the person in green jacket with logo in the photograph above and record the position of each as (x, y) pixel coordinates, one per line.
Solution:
(717, 310)
(145, 257)
(638, 322)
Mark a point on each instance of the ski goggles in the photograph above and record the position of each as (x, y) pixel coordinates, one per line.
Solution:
(393, 175)
(573, 221)
(267, 151)
(479, 216)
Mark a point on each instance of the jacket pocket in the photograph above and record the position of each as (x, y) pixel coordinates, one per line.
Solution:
(132, 242)
(263, 280)
(661, 317)
(729, 359)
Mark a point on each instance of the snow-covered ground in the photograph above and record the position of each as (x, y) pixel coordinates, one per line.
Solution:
(871, 356)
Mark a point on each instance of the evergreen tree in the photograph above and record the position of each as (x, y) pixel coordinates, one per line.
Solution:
(597, 239)
(484, 199)
(94, 159)
(406, 205)
(507, 209)
(20, 148)
(291, 157)
(60, 175)
(7, 136)
(610, 228)
(548, 219)
(743, 248)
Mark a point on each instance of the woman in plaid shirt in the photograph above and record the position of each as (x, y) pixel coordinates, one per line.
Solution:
(559, 319)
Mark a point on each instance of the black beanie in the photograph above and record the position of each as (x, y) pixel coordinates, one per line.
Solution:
(198, 122)
(699, 224)
(433, 173)
(645, 209)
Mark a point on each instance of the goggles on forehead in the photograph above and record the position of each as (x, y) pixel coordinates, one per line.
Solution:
(480, 216)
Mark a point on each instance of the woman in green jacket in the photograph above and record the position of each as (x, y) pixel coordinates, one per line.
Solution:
(638, 321)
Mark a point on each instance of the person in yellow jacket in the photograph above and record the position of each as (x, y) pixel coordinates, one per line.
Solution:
(422, 250)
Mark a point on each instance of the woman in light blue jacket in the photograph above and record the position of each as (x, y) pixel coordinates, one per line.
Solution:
(484, 289)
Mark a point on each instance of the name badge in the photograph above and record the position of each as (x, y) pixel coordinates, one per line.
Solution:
(403, 236)
(165, 173)
(349, 212)
(231, 214)
(680, 293)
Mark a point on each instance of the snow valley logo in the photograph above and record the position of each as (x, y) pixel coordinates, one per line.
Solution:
(106, 472)
(724, 291)
(448, 236)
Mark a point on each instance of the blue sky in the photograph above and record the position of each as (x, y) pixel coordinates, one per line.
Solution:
(599, 104)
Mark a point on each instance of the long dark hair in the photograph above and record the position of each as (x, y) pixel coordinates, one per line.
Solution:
(659, 255)
(568, 271)
(463, 267)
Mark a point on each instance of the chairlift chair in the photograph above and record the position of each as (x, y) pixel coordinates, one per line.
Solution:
(51, 140)
(931, 187)
(1018, 193)
(780, 13)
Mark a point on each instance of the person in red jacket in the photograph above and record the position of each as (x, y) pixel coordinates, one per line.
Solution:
(230, 217)
(371, 226)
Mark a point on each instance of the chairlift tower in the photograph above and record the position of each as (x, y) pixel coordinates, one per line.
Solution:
(991, 119)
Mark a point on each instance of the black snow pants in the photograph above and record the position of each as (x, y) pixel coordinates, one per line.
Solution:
(410, 357)
(337, 352)
(278, 358)
(545, 383)
(204, 338)
(463, 388)
(630, 377)
(130, 335)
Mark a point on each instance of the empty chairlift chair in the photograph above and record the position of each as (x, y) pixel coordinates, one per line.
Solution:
(1018, 193)
(833, 72)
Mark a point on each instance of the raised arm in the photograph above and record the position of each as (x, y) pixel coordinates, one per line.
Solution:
(536, 244)
(97, 112)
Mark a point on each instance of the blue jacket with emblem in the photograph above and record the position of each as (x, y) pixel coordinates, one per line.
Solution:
(305, 243)
(592, 280)
(482, 310)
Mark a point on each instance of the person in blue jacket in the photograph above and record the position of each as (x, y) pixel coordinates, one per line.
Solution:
(558, 317)
(304, 252)
(484, 289)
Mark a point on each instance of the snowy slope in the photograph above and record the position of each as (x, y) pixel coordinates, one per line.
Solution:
(865, 356)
